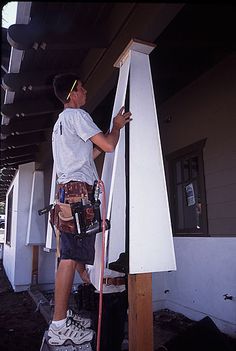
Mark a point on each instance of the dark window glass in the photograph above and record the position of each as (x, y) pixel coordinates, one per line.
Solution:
(187, 191)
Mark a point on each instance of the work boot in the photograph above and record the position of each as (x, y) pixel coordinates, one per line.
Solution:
(70, 330)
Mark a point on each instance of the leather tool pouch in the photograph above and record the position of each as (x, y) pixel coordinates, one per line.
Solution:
(61, 217)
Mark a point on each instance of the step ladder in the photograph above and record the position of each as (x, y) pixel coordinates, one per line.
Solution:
(68, 346)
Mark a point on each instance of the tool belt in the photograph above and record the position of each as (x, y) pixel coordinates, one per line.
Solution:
(70, 193)
(79, 213)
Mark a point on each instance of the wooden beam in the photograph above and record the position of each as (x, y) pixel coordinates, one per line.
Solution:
(18, 161)
(33, 81)
(6, 178)
(140, 312)
(35, 263)
(27, 124)
(4, 189)
(18, 152)
(24, 140)
(3, 145)
(31, 107)
(10, 171)
(27, 36)
(10, 159)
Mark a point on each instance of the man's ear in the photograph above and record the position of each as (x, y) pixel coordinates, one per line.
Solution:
(72, 95)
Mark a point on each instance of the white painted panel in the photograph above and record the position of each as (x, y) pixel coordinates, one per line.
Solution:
(113, 178)
(110, 161)
(23, 254)
(46, 268)
(50, 237)
(150, 234)
(117, 194)
(36, 223)
(118, 211)
(9, 257)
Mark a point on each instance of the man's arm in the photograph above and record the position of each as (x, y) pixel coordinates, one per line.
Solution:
(96, 152)
(108, 142)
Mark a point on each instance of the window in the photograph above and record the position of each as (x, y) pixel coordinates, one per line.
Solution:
(187, 191)
(9, 217)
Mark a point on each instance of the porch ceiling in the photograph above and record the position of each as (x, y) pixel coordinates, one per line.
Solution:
(87, 38)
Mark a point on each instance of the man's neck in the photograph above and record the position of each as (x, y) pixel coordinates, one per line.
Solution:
(70, 105)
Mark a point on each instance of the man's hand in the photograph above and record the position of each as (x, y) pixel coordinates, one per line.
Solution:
(122, 118)
(85, 277)
(109, 141)
(80, 267)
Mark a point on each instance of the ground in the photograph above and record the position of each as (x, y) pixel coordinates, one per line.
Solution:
(22, 326)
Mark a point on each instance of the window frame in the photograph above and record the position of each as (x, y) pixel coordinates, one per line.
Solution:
(9, 216)
(187, 152)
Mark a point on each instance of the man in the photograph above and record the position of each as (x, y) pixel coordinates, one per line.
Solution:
(114, 308)
(73, 137)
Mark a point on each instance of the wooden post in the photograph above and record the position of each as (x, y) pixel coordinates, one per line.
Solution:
(35, 258)
(140, 317)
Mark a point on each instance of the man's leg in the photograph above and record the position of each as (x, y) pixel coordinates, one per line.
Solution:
(80, 267)
(62, 328)
(114, 312)
(106, 324)
(63, 284)
(118, 318)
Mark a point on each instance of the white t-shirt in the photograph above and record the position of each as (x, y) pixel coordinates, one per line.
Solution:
(71, 147)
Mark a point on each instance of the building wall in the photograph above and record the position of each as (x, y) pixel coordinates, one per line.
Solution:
(17, 257)
(10, 250)
(205, 273)
(206, 267)
(206, 109)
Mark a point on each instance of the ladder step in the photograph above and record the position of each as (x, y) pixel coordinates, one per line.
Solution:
(70, 347)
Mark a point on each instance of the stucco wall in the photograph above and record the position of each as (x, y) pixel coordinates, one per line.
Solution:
(206, 267)
(17, 259)
(205, 273)
(206, 109)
